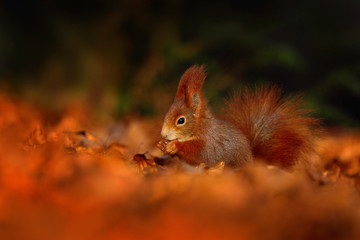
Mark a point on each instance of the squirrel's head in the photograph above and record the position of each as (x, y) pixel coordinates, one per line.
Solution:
(183, 120)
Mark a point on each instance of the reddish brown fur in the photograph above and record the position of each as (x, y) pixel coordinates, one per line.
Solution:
(277, 129)
(191, 82)
(255, 124)
(191, 151)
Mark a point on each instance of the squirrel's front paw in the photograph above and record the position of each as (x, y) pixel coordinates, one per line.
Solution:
(162, 144)
(167, 147)
(171, 148)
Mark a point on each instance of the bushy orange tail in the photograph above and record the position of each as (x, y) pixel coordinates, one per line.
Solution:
(278, 130)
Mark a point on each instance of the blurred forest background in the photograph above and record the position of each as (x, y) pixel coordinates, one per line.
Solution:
(126, 57)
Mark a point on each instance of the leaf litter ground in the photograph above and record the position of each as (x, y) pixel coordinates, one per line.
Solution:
(68, 175)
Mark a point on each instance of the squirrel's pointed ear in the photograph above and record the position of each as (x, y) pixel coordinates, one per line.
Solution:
(190, 82)
(190, 87)
(194, 100)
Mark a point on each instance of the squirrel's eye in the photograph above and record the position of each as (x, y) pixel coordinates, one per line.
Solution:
(181, 121)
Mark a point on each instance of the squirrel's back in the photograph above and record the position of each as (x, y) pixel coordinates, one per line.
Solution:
(278, 130)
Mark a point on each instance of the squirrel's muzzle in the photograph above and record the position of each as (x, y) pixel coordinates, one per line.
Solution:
(168, 134)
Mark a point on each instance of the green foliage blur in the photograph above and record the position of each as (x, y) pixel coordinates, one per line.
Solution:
(126, 57)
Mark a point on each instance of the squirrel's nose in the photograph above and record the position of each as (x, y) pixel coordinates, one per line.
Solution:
(163, 133)
(166, 133)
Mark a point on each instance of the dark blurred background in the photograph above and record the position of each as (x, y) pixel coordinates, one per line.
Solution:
(126, 57)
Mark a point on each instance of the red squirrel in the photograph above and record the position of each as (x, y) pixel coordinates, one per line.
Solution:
(255, 124)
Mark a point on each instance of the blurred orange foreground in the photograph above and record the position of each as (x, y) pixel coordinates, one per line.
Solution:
(62, 176)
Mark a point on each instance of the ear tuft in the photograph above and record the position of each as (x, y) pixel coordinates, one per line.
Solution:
(191, 81)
